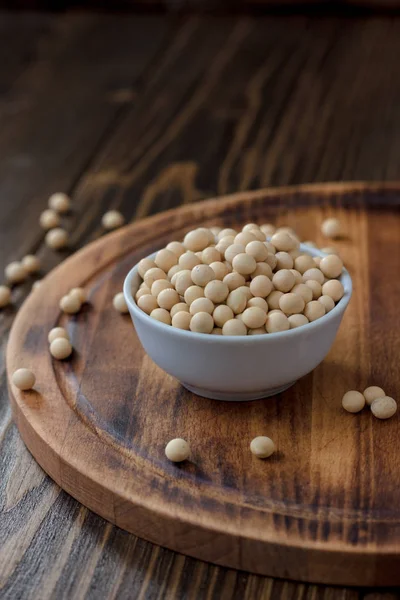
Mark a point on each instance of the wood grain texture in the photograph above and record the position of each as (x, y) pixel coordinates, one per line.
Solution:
(325, 508)
(73, 87)
(291, 100)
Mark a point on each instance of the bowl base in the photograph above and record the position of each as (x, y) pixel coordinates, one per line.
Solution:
(236, 396)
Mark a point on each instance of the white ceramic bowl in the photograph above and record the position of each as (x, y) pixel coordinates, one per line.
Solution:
(237, 367)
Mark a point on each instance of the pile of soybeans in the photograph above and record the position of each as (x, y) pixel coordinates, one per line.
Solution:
(226, 282)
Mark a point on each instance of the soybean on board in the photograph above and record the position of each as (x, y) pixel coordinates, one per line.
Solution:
(325, 507)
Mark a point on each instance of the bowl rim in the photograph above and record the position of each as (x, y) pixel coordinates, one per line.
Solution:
(339, 308)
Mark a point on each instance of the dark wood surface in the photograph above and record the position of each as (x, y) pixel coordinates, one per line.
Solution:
(221, 7)
(146, 113)
(325, 507)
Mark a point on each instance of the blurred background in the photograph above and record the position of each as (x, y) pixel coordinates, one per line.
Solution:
(222, 6)
(147, 108)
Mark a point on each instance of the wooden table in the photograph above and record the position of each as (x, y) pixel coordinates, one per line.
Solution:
(143, 113)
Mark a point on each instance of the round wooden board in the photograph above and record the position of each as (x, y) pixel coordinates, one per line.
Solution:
(326, 507)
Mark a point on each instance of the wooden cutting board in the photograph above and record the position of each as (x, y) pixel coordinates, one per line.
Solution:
(326, 507)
